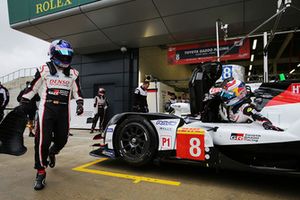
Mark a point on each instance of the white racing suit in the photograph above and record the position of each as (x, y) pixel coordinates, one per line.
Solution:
(4, 99)
(243, 112)
(56, 87)
(246, 112)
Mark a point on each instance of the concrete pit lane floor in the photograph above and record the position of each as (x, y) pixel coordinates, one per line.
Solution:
(80, 176)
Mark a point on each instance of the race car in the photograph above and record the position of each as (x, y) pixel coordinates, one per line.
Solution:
(139, 138)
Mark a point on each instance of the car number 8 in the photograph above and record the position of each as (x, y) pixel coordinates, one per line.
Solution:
(227, 73)
(195, 150)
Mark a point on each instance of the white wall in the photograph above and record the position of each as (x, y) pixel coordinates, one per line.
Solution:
(161, 96)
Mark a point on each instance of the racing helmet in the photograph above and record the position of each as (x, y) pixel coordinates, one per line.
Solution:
(233, 92)
(101, 91)
(61, 53)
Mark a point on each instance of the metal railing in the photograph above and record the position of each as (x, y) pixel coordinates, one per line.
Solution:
(18, 74)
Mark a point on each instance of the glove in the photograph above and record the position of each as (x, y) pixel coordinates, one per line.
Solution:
(270, 126)
(79, 109)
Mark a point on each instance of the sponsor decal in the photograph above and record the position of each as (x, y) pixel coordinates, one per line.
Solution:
(245, 137)
(215, 90)
(162, 128)
(57, 92)
(58, 82)
(198, 131)
(288, 96)
(166, 123)
(295, 88)
(45, 6)
(109, 153)
(110, 130)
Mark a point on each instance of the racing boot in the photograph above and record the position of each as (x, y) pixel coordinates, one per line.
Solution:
(52, 160)
(40, 181)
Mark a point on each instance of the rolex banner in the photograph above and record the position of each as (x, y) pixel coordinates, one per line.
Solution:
(203, 52)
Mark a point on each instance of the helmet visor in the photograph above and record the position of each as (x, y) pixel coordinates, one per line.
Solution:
(227, 96)
(64, 59)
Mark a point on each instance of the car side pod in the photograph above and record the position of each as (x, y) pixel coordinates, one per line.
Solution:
(295, 128)
(11, 133)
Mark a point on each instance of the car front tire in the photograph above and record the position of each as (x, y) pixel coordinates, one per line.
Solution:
(136, 141)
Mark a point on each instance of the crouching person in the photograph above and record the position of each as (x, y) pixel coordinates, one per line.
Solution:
(239, 107)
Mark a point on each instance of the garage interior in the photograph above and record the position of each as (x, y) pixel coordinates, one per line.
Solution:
(147, 28)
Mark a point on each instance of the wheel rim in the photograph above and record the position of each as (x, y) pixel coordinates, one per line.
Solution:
(134, 141)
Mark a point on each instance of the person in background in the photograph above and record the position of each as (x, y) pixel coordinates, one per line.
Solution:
(100, 106)
(32, 108)
(184, 98)
(140, 98)
(57, 82)
(4, 99)
(172, 100)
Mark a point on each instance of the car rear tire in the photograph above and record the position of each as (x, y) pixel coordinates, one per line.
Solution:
(136, 141)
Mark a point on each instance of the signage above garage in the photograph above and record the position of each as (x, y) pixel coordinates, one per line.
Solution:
(203, 52)
(29, 9)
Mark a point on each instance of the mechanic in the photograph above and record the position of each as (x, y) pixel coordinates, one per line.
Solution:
(100, 105)
(239, 107)
(4, 99)
(172, 100)
(184, 98)
(140, 98)
(33, 108)
(58, 81)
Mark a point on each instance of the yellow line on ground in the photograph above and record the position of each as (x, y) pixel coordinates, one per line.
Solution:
(136, 179)
(90, 163)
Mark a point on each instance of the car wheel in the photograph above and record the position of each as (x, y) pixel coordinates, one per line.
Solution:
(136, 141)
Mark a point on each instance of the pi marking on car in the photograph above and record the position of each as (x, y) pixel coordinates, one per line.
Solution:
(166, 142)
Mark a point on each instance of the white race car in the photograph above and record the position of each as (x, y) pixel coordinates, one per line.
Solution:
(138, 138)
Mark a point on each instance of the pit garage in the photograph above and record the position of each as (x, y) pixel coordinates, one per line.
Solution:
(118, 44)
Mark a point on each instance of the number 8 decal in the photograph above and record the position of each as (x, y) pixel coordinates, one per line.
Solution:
(227, 72)
(195, 149)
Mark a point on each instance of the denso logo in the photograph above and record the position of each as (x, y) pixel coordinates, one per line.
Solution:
(59, 82)
(166, 123)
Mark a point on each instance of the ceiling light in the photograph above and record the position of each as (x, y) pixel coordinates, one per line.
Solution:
(298, 65)
(249, 73)
(292, 71)
(252, 58)
(250, 67)
(254, 44)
